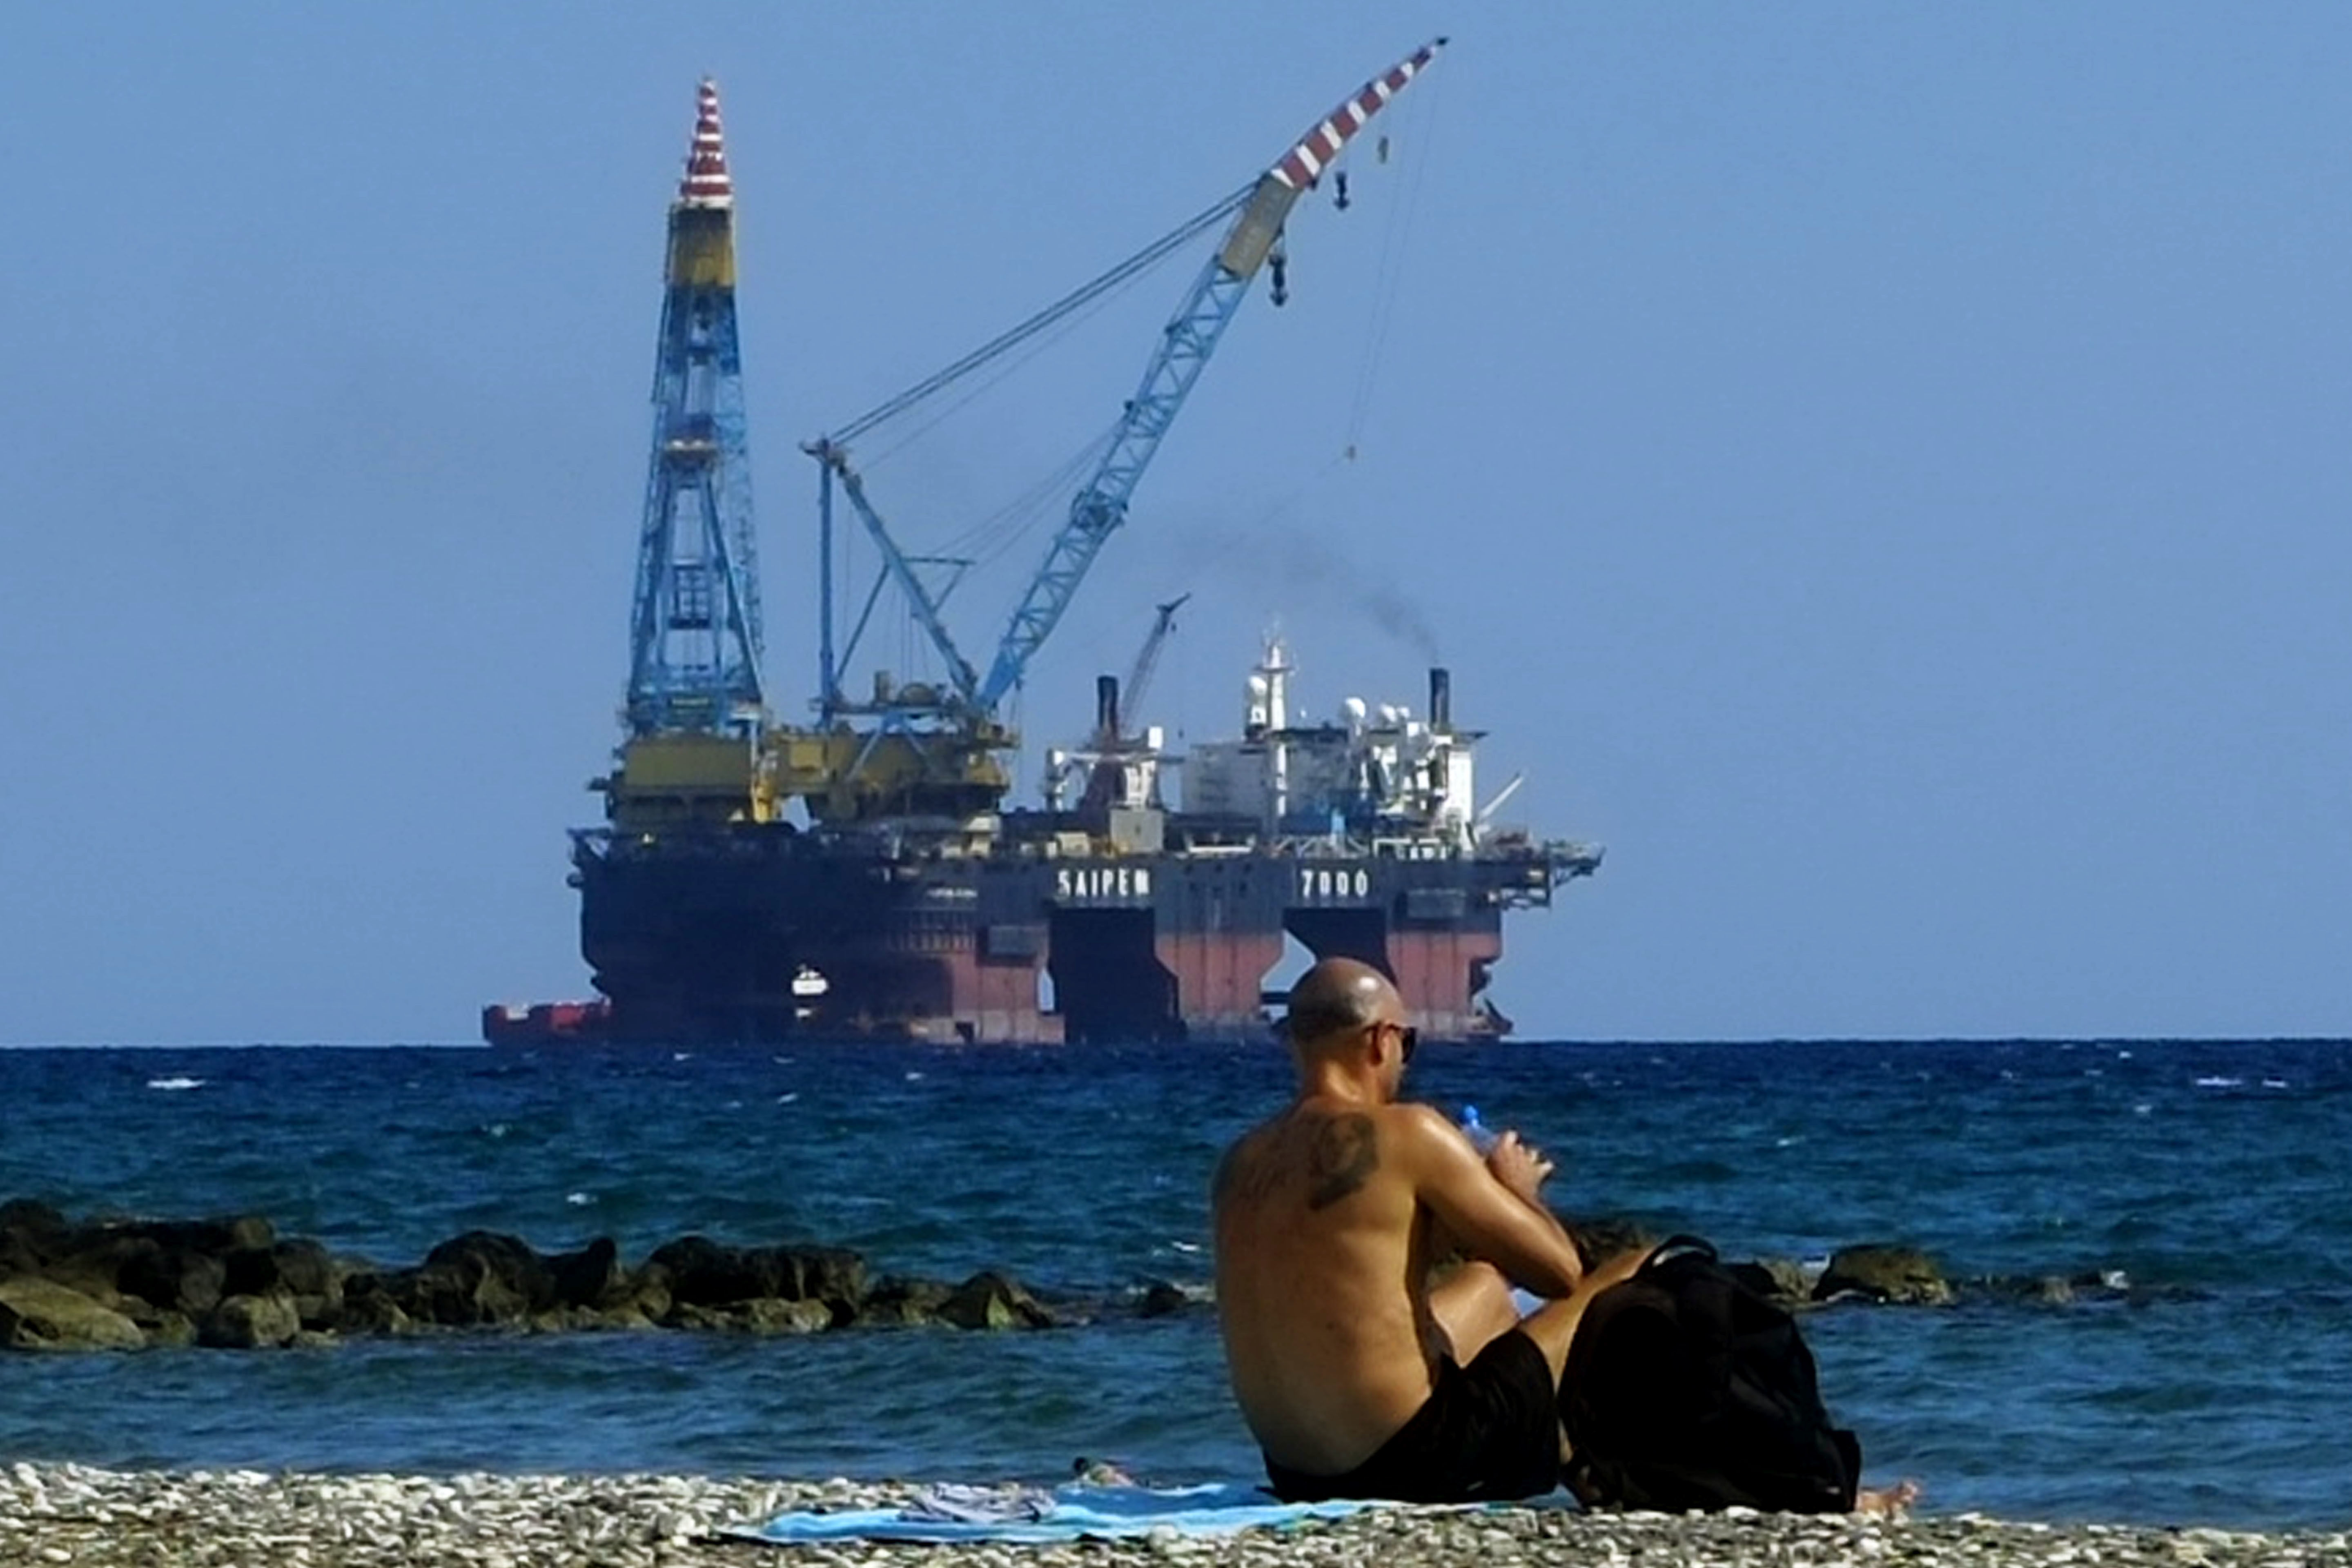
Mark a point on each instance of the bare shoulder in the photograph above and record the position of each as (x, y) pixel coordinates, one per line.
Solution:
(1422, 1130)
(1391, 1143)
(1246, 1154)
(1429, 1149)
(1417, 1120)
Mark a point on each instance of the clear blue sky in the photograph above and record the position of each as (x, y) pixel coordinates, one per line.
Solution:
(1883, 469)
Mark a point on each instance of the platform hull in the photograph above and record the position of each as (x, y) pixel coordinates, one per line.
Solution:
(762, 934)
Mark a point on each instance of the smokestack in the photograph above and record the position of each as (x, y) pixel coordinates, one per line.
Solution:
(1440, 699)
(1107, 708)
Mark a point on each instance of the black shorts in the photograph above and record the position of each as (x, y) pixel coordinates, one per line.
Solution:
(1489, 1432)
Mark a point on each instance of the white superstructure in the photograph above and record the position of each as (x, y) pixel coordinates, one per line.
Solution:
(1374, 772)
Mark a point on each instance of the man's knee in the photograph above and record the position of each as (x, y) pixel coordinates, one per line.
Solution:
(1476, 1280)
(1472, 1305)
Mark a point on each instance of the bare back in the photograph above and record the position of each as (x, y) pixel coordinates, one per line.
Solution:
(1324, 1217)
(1322, 1248)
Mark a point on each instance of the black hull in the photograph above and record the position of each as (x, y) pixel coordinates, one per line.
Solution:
(765, 933)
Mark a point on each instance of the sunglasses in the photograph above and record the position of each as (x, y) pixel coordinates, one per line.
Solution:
(1408, 1037)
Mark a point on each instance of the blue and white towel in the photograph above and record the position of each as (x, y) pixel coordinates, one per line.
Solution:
(945, 1513)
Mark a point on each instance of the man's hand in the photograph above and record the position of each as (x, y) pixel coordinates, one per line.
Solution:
(1509, 1228)
(1520, 1168)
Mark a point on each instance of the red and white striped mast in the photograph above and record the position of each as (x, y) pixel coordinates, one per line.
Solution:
(706, 183)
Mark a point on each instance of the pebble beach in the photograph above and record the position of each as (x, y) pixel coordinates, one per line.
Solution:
(55, 1514)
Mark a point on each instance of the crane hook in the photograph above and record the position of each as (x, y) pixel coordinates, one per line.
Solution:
(1278, 262)
(1339, 190)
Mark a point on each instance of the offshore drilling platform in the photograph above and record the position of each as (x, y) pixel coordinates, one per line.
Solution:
(861, 876)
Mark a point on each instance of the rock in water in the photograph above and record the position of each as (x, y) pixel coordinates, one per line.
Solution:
(592, 1277)
(31, 1233)
(93, 1263)
(700, 1272)
(779, 1317)
(167, 1330)
(175, 1278)
(307, 1270)
(1778, 1279)
(646, 1300)
(251, 1322)
(897, 1302)
(1161, 1299)
(1900, 1275)
(233, 1283)
(371, 1311)
(475, 1281)
(990, 1300)
(832, 1275)
(41, 1315)
(237, 1232)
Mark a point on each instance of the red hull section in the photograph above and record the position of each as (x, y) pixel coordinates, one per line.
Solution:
(506, 1025)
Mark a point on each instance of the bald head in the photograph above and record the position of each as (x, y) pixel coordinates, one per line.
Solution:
(1335, 999)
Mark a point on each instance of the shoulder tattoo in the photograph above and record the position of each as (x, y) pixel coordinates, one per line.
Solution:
(1345, 1153)
(1246, 1176)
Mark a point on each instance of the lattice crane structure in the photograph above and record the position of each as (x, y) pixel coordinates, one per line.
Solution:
(694, 628)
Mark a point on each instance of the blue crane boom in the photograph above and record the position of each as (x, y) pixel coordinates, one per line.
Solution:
(1190, 338)
(832, 453)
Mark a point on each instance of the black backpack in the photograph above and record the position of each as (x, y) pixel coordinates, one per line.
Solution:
(1688, 1388)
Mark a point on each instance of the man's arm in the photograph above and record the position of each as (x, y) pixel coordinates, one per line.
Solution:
(1522, 1173)
(1496, 1213)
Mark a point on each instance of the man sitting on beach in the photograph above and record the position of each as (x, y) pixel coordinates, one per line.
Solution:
(1358, 1376)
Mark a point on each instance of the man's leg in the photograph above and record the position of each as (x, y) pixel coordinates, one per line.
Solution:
(1472, 1305)
(1553, 1324)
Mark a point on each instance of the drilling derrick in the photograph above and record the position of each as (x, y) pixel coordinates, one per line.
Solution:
(694, 704)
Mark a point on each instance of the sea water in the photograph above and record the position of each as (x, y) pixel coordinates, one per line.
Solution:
(2206, 1181)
